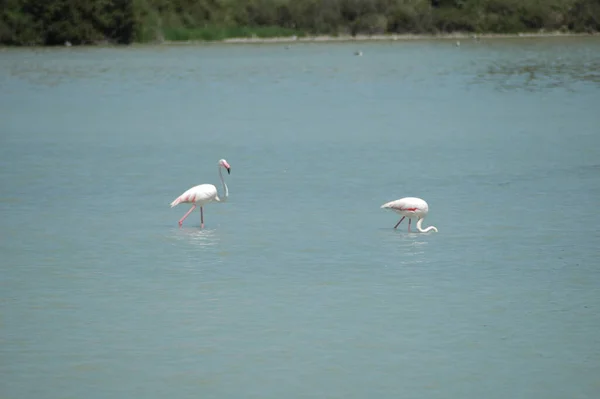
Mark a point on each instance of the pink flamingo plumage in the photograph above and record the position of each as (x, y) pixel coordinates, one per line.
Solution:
(203, 194)
(410, 207)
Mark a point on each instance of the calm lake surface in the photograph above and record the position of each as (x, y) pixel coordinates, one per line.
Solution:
(299, 286)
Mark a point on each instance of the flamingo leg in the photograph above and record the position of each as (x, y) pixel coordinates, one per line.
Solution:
(397, 224)
(409, 220)
(201, 217)
(186, 215)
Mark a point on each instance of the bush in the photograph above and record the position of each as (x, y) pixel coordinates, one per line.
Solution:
(24, 22)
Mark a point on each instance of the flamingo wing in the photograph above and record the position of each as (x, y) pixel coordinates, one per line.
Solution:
(407, 204)
(198, 194)
(397, 205)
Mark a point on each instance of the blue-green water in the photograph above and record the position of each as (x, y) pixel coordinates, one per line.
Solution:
(299, 286)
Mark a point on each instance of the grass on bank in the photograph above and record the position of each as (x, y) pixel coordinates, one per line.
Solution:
(214, 33)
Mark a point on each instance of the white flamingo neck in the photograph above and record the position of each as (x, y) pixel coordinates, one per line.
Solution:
(420, 222)
(224, 186)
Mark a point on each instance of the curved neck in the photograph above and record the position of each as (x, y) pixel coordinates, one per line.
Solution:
(224, 198)
(419, 222)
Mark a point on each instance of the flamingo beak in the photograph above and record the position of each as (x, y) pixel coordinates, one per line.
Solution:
(225, 164)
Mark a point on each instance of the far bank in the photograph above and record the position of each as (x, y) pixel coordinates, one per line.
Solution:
(91, 22)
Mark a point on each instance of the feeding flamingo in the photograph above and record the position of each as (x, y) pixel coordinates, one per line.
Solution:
(410, 207)
(203, 194)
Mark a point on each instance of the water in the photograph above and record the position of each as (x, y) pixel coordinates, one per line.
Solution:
(298, 286)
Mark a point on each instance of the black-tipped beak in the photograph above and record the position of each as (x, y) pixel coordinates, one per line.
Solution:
(228, 171)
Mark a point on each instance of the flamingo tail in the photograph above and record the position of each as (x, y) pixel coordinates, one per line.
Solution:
(387, 205)
(176, 202)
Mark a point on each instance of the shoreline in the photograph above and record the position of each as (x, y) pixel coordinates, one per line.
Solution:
(287, 40)
(381, 37)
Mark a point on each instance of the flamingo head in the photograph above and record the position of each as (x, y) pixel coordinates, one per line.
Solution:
(225, 164)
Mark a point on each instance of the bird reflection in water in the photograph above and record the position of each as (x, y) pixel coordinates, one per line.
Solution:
(202, 238)
(414, 247)
(411, 247)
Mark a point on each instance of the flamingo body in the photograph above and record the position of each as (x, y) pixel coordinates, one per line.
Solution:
(203, 194)
(199, 195)
(410, 207)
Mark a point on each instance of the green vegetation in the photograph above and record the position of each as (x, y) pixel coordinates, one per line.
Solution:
(32, 22)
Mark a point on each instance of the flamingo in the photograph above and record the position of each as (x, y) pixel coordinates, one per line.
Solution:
(410, 207)
(203, 194)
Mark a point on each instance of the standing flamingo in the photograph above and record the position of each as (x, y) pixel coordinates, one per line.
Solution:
(410, 207)
(203, 194)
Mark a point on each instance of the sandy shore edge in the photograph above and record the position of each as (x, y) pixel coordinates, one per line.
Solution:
(344, 38)
(386, 37)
